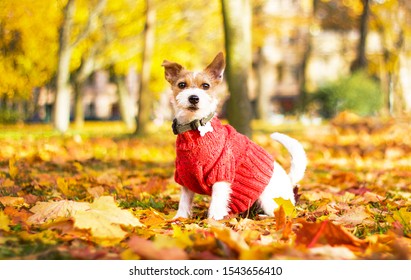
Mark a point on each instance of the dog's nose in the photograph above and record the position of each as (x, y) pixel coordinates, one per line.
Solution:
(193, 99)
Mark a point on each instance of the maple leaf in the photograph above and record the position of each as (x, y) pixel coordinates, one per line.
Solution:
(287, 205)
(326, 233)
(48, 211)
(148, 250)
(12, 201)
(104, 219)
(353, 217)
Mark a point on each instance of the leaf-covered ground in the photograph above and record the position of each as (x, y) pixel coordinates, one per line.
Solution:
(98, 194)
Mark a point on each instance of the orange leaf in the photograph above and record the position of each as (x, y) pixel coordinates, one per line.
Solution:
(17, 216)
(12, 201)
(147, 250)
(287, 230)
(279, 218)
(327, 233)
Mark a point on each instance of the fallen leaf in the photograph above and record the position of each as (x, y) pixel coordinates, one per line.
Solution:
(12, 201)
(63, 186)
(326, 232)
(148, 250)
(233, 239)
(4, 221)
(329, 252)
(96, 192)
(404, 217)
(13, 170)
(47, 211)
(17, 216)
(289, 208)
(104, 217)
(280, 220)
(353, 217)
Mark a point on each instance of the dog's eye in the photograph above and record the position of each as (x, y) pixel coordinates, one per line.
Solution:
(182, 85)
(205, 86)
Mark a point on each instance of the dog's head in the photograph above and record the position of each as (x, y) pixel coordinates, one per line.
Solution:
(194, 92)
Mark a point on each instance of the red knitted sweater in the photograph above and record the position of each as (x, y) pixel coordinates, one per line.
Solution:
(223, 155)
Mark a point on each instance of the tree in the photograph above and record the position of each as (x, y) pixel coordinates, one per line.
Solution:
(25, 62)
(361, 60)
(237, 31)
(66, 46)
(145, 102)
(390, 18)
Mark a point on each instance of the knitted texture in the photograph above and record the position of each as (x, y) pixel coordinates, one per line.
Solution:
(223, 155)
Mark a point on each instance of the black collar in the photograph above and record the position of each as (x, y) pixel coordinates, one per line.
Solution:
(194, 125)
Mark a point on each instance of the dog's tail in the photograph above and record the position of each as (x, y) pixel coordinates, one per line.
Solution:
(298, 156)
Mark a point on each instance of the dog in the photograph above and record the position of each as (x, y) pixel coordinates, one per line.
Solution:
(214, 159)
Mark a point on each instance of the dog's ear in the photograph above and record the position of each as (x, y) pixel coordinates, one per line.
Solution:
(216, 67)
(172, 70)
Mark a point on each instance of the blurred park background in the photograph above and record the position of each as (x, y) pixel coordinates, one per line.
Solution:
(65, 61)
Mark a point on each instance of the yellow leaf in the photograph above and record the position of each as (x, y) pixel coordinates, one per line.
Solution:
(104, 219)
(182, 237)
(4, 221)
(233, 239)
(47, 211)
(13, 170)
(288, 207)
(63, 186)
(403, 217)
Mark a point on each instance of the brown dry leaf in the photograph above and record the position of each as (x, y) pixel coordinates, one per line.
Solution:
(47, 211)
(148, 250)
(96, 192)
(279, 218)
(104, 217)
(327, 233)
(355, 216)
(12, 201)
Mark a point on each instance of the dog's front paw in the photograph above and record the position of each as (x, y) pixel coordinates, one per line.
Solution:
(217, 215)
(181, 214)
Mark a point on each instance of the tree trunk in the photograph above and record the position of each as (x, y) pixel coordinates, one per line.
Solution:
(62, 104)
(303, 95)
(237, 30)
(145, 102)
(360, 63)
(124, 102)
(78, 104)
(266, 79)
(66, 46)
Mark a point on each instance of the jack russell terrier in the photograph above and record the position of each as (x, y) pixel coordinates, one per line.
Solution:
(214, 159)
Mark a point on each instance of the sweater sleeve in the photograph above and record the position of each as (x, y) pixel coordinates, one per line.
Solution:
(223, 170)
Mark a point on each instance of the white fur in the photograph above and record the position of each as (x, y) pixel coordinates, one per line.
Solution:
(281, 184)
(206, 105)
(186, 201)
(299, 158)
(220, 198)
